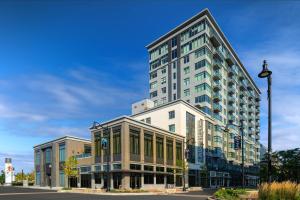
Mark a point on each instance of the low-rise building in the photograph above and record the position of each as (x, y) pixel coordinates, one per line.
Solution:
(49, 159)
(139, 155)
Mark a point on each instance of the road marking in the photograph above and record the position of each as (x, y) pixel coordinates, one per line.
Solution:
(7, 194)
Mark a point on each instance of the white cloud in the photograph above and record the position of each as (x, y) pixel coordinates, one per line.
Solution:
(284, 61)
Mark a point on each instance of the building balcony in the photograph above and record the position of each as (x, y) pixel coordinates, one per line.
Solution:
(217, 86)
(231, 108)
(231, 91)
(229, 59)
(231, 118)
(242, 117)
(217, 54)
(242, 102)
(217, 107)
(242, 87)
(231, 99)
(214, 38)
(233, 70)
(217, 75)
(217, 97)
(217, 64)
(231, 82)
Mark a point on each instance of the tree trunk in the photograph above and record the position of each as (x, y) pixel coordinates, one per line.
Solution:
(68, 182)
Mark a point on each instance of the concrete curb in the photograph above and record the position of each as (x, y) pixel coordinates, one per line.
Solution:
(116, 193)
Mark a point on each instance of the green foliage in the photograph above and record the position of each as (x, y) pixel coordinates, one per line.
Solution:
(25, 176)
(70, 168)
(279, 191)
(285, 166)
(2, 177)
(229, 194)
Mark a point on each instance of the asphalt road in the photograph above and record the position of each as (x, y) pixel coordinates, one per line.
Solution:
(16, 193)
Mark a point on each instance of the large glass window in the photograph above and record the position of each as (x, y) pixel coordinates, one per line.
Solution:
(179, 154)
(169, 150)
(38, 158)
(61, 179)
(148, 178)
(117, 140)
(202, 98)
(62, 153)
(38, 178)
(148, 145)
(134, 141)
(200, 64)
(186, 92)
(172, 128)
(48, 155)
(190, 135)
(202, 75)
(172, 114)
(106, 134)
(186, 81)
(202, 87)
(97, 144)
(159, 148)
(186, 70)
(200, 52)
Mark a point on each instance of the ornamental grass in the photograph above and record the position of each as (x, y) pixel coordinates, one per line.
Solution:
(279, 191)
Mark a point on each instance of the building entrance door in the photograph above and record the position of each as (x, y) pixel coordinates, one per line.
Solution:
(86, 180)
(117, 179)
(135, 180)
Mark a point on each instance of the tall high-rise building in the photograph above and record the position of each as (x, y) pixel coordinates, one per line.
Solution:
(196, 63)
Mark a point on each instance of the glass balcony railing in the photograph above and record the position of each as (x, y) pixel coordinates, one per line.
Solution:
(217, 86)
(217, 107)
(231, 107)
(217, 97)
(83, 155)
(231, 118)
(231, 99)
(229, 59)
(217, 75)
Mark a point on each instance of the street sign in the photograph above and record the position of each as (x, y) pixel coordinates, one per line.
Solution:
(237, 142)
(104, 143)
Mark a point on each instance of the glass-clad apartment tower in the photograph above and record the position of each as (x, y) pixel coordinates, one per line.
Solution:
(196, 63)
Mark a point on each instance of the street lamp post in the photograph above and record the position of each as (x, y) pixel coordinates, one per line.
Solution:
(186, 151)
(266, 73)
(105, 146)
(50, 181)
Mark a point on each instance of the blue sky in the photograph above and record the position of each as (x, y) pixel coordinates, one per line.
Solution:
(64, 65)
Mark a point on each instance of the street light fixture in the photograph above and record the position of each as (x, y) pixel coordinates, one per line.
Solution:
(105, 146)
(266, 73)
(50, 169)
(186, 151)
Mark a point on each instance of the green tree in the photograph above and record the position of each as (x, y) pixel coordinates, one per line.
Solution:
(2, 177)
(285, 166)
(70, 168)
(31, 176)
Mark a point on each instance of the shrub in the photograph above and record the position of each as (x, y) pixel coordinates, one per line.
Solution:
(231, 194)
(17, 183)
(279, 191)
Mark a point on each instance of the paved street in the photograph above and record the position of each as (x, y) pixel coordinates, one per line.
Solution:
(14, 193)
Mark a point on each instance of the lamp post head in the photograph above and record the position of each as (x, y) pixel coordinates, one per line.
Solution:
(265, 71)
(95, 125)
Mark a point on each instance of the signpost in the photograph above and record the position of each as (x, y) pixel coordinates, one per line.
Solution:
(237, 142)
(104, 145)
